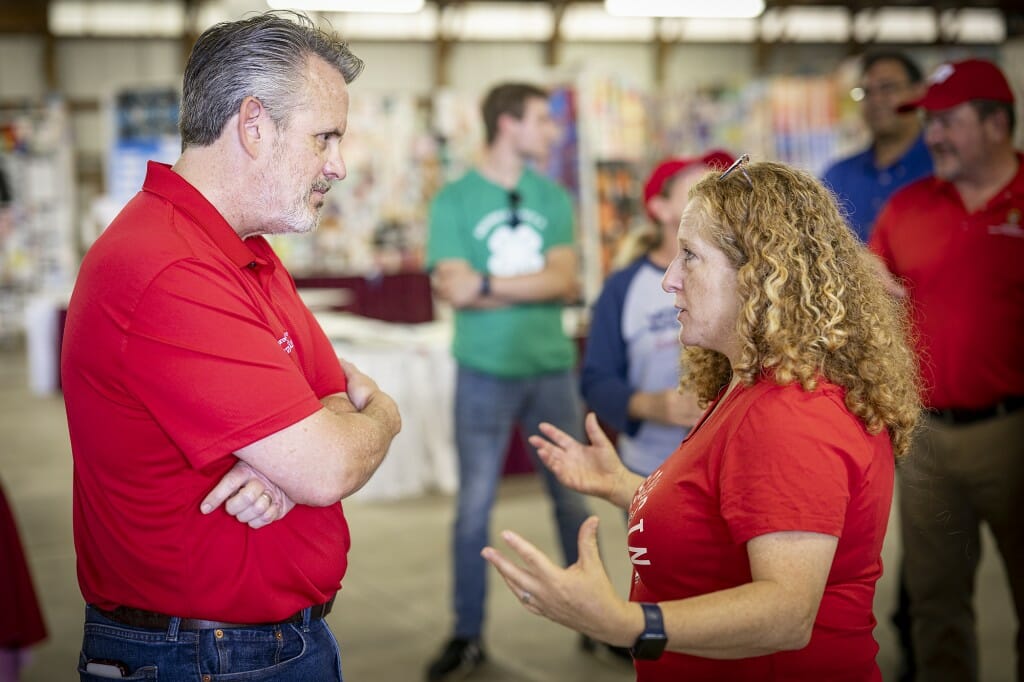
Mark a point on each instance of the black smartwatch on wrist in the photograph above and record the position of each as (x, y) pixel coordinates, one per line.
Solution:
(650, 645)
(485, 284)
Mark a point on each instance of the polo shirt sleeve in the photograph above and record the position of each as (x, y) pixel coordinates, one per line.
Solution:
(208, 367)
(444, 236)
(785, 467)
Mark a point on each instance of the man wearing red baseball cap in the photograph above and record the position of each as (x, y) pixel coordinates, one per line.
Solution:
(955, 241)
(630, 369)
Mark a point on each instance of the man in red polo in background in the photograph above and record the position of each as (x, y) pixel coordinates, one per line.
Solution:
(955, 243)
(214, 430)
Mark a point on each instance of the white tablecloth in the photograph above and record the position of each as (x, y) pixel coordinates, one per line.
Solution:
(412, 363)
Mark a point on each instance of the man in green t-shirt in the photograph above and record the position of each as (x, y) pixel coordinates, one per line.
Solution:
(501, 252)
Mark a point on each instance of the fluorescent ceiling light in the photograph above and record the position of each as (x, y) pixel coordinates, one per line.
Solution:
(713, 9)
(365, 26)
(974, 25)
(707, 30)
(497, 21)
(389, 6)
(111, 18)
(817, 24)
(896, 25)
(592, 22)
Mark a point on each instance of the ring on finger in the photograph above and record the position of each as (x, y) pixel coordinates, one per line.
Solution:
(525, 597)
(270, 499)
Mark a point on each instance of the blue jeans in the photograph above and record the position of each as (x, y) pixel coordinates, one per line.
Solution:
(295, 651)
(486, 408)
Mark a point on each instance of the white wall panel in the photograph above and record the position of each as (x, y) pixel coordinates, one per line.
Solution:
(700, 64)
(91, 132)
(395, 67)
(475, 67)
(21, 67)
(93, 68)
(633, 62)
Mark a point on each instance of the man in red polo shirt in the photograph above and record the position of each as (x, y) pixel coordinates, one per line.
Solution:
(955, 241)
(213, 429)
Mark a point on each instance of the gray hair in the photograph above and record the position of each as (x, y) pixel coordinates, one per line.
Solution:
(264, 57)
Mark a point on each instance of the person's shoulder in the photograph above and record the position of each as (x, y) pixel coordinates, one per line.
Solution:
(617, 283)
(626, 273)
(913, 193)
(544, 184)
(467, 182)
(783, 403)
(845, 165)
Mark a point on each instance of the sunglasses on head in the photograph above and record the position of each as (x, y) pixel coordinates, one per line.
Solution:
(738, 163)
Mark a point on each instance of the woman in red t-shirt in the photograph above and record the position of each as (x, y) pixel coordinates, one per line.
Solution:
(756, 546)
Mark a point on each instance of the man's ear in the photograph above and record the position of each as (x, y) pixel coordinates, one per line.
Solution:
(252, 126)
(506, 122)
(658, 206)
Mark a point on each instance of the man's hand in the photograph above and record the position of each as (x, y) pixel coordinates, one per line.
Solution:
(249, 496)
(360, 387)
(457, 283)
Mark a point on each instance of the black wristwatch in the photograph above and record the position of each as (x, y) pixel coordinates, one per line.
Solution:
(485, 284)
(651, 643)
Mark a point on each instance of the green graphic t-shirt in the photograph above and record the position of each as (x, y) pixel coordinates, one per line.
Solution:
(473, 219)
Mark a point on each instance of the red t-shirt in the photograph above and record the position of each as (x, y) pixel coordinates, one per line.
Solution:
(772, 458)
(965, 276)
(183, 344)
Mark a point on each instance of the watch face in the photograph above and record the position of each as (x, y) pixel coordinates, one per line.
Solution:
(649, 647)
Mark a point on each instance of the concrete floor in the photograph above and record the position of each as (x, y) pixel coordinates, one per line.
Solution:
(393, 613)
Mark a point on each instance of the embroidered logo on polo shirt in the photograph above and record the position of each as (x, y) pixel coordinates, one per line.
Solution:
(1010, 228)
(286, 343)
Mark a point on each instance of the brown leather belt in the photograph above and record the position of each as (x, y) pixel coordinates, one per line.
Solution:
(151, 620)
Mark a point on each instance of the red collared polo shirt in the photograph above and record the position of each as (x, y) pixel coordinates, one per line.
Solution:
(965, 276)
(183, 344)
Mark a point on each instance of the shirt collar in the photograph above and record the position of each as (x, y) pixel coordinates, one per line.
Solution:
(917, 153)
(162, 181)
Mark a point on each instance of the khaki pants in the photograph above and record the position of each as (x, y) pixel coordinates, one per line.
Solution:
(955, 478)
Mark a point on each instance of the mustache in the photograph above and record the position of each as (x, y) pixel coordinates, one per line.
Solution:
(321, 186)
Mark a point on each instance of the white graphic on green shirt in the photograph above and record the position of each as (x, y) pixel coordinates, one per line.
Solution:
(514, 251)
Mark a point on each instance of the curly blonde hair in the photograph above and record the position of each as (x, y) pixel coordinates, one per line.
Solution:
(812, 302)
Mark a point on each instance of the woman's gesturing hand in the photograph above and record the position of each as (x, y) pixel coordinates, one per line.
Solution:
(580, 597)
(593, 469)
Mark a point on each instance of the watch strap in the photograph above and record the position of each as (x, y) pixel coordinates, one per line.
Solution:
(651, 642)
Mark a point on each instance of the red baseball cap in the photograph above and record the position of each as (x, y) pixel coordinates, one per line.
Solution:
(669, 168)
(954, 83)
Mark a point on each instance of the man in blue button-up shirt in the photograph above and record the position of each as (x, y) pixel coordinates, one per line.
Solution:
(897, 154)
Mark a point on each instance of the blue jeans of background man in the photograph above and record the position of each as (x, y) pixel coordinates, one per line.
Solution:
(486, 409)
(295, 651)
